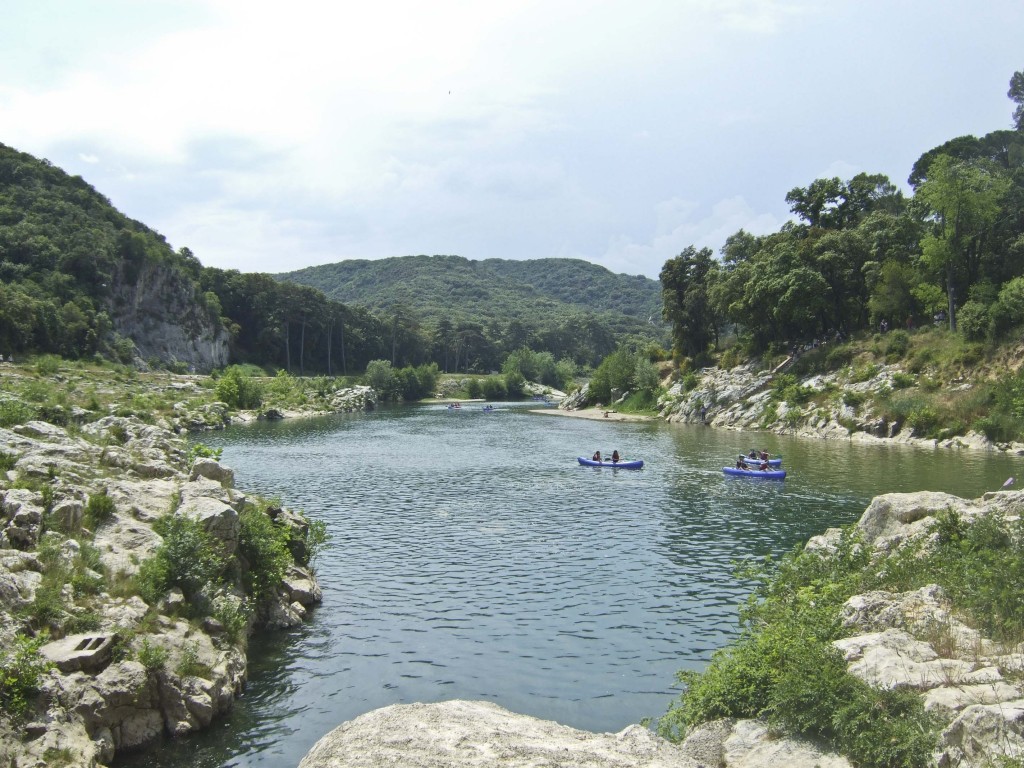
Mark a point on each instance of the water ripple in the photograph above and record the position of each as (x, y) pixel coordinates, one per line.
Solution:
(472, 557)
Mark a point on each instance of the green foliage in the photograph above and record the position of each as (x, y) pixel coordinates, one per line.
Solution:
(317, 539)
(21, 672)
(264, 546)
(854, 399)
(785, 669)
(152, 656)
(7, 461)
(493, 388)
(13, 412)
(233, 613)
(474, 388)
(99, 509)
(189, 665)
(786, 389)
(188, 558)
(902, 380)
(239, 390)
(202, 451)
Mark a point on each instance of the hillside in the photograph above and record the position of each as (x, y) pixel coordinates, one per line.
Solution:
(538, 293)
(79, 278)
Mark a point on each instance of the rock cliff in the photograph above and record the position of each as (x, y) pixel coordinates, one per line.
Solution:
(162, 311)
(109, 654)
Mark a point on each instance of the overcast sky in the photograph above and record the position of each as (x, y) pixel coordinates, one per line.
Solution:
(273, 136)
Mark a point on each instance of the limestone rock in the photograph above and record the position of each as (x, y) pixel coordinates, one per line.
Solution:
(895, 659)
(216, 517)
(982, 733)
(212, 470)
(483, 735)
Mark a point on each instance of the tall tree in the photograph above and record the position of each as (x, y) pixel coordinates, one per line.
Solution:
(964, 200)
(684, 288)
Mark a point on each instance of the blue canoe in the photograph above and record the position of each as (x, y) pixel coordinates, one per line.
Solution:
(768, 474)
(637, 464)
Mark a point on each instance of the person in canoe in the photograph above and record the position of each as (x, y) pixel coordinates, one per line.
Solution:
(597, 456)
(764, 465)
(741, 463)
(615, 457)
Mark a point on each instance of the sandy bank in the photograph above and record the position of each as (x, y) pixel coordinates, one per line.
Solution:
(594, 413)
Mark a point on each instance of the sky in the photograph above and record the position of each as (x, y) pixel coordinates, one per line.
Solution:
(267, 137)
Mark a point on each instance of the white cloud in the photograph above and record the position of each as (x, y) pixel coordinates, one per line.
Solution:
(265, 136)
(682, 223)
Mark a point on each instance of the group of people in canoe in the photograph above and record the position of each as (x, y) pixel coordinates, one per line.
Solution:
(758, 459)
(614, 459)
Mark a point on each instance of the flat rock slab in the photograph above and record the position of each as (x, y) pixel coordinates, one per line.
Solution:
(474, 734)
(90, 652)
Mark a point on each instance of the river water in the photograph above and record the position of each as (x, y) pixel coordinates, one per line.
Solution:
(472, 557)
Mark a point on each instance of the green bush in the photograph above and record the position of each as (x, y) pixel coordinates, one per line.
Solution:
(474, 389)
(902, 380)
(21, 672)
(785, 669)
(99, 509)
(854, 399)
(264, 546)
(897, 344)
(152, 655)
(7, 461)
(201, 451)
(13, 412)
(493, 388)
(189, 558)
(239, 390)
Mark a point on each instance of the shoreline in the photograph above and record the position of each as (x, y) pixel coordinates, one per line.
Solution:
(594, 414)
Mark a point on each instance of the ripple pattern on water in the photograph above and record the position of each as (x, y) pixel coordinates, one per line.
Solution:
(472, 557)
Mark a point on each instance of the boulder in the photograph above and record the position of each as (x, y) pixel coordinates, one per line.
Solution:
(751, 744)
(483, 735)
(217, 518)
(212, 470)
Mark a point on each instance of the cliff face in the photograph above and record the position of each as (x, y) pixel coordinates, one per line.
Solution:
(165, 315)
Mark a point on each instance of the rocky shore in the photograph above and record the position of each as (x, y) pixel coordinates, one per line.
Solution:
(740, 398)
(102, 652)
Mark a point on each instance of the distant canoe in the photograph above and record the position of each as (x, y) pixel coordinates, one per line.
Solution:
(637, 464)
(768, 474)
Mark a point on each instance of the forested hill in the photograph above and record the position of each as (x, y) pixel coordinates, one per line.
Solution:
(538, 293)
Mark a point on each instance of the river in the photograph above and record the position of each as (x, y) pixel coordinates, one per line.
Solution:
(472, 557)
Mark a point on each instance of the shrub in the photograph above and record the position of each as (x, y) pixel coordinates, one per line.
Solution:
(317, 538)
(897, 344)
(7, 461)
(188, 559)
(152, 655)
(493, 388)
(200, 451)
(264, 546)
(854, 399)
(239, 390)
(189, 665)
(13, 412)
(99, 509)
(233, 613)
(21, 672)
(473, 388)
(902, 380)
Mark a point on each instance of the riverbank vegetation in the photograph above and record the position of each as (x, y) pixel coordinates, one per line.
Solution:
(784, 667)
(866, 276)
